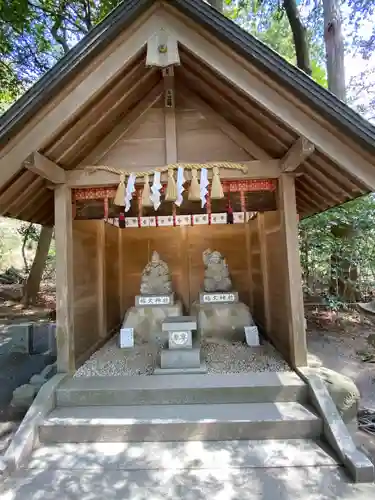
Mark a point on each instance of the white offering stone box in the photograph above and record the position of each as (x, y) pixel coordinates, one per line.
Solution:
(179, 323)
(218, 298)
(126, 338)
(154, 300)
(252, 336)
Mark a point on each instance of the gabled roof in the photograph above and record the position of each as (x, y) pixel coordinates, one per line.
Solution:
(323, 101)
(106, 84)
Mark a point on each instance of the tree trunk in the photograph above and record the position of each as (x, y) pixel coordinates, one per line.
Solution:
(32, 285)
(217, 4)
(299, 31)
(334, 43)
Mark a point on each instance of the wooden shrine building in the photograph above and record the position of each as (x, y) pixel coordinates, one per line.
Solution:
(156, 86)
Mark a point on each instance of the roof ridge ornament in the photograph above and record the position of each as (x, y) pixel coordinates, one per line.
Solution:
(162, 50)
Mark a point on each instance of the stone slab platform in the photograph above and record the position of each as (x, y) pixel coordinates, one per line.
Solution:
(180, 358)
(179, 389)
(222, 481)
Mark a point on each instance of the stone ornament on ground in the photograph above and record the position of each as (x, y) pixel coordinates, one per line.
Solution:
(216, 275)
(342, 389)
(156, 278)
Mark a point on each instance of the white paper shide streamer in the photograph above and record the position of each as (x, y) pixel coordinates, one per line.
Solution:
(203, 186)
(155, 190)
(130, 188)
(180, 186)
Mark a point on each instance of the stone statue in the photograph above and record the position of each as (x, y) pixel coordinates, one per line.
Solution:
(156, 279)
(216, 275)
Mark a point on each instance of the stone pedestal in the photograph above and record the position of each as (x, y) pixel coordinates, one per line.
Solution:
(225, 320)
(147, 322)
(183, 354)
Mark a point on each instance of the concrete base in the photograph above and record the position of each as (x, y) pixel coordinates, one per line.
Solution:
(174, 371)
(147, 322)
(226, 321)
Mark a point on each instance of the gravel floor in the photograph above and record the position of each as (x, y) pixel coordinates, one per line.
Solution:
(220, 357)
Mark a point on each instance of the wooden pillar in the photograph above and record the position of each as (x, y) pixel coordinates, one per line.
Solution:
(295, 309)
(264, 265)
(102, 303)
(64, 280)
(121, 246)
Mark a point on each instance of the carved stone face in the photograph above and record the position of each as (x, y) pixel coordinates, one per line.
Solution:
(214, 259)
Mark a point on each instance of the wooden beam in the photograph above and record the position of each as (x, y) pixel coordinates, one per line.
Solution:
(170, 119)
(227, 128)
(123, 127)
(39, 207)
(95, 124)
(44, 167)
(293, 291)
(12, 193)
(219, 88)
(297, 154)
(71, 104)
(64, 280)
(256, 169)
(227, 64)
(98, 108)
(19, 203)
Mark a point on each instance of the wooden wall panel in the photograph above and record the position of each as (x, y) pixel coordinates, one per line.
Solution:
(277, 282)
(144, 146)
(230, 240)
(86, 319)
(134, 256)
(198, 140)
(112, 297)
(182, 249)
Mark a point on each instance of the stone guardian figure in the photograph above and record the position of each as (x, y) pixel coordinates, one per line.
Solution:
(156, 279)
(216, 275)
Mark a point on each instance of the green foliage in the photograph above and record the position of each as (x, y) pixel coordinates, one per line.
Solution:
(340, 244)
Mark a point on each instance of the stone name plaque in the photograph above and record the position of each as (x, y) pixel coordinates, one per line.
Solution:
(126, 338)
(154, 300)
(218, 298)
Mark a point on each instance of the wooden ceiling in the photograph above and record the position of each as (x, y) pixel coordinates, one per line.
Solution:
(320, 184)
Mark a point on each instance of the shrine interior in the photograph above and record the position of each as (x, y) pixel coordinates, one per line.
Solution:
(109, 260)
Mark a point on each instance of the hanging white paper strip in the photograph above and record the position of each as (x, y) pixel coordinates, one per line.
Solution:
(180, 186)
(155, 190)
(130, 188)
(203, 186)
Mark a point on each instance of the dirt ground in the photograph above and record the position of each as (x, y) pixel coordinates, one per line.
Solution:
(339, 340)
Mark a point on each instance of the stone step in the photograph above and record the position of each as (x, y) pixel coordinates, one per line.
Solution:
(208, 422)
(182, 455)
(254, 387)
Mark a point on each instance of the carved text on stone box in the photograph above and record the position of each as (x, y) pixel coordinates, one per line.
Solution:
(217, 298)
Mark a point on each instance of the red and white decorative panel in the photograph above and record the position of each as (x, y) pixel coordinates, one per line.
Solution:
(238, 217)
(144, 221)
(220, 218)
(183, 220)
(131, 222)
(165, 220)
(152, 221)
(200, 219)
